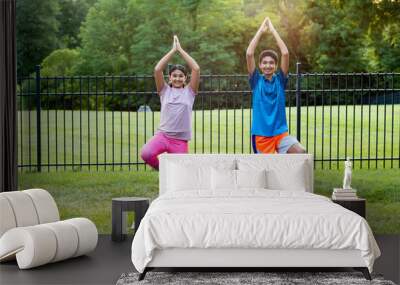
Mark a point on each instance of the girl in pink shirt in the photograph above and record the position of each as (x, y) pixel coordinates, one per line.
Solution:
(177, 100)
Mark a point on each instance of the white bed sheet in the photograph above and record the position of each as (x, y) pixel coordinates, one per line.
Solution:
(251, 218)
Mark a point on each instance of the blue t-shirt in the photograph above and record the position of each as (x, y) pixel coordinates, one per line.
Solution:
(269, 114)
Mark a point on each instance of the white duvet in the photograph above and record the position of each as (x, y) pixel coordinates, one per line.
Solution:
(254, 218)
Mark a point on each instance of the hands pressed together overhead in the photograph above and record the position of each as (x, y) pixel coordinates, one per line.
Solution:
(266, 26)
(176, 46)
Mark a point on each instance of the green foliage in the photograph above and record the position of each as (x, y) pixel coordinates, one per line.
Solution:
(215, 33)
(130, 36)
(335, 38)
(107, 35)
(379, 21)
(37, 27)
(202, 27)
(384, 47)
(59, 62)
(71, 15)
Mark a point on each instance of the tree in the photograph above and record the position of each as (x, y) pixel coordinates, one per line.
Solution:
(71, 15)
(365, 35)
(333, 40)
(154, 33)
(127, 36)
(380, 22)
(206, 30)
(107, 35)
(388, 50)
(293, 22)
(37, 28)
(60, 62)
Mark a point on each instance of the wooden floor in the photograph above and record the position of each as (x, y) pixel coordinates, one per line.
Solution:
(111, 259)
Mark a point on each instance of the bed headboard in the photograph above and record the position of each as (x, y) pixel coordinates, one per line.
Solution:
(286, 167)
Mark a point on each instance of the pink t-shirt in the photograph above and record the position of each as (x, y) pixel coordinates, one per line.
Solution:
(176, 112)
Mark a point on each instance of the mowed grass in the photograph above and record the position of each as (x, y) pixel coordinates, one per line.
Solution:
(104, 138)
(89, 194)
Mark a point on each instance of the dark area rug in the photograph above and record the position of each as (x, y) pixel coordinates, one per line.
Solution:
(275, 278)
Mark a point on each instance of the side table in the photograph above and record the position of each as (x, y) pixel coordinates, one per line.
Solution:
(122, 205)
(357, 205)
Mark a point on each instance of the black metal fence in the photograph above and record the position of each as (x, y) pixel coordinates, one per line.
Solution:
(101, 122)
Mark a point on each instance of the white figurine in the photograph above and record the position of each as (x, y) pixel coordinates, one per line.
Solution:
(347, 174)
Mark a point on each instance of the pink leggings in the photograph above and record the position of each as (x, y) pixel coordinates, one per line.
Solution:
(161, 143)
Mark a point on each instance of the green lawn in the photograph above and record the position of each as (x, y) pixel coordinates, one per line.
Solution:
(88, 194)
(70, 137)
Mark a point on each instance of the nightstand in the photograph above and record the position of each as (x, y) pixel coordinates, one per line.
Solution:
(119, 208)
(357, 205)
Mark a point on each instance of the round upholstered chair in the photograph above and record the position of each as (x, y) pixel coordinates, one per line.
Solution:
(31, 231)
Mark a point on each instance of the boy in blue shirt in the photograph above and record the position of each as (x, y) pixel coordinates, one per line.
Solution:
(269, 128)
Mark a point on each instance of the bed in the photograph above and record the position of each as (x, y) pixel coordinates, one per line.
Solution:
(238, 210)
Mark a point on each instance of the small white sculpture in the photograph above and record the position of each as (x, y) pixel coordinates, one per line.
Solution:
(347, 174)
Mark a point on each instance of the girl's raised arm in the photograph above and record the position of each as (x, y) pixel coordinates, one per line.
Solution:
(158, 70)
(195, 76)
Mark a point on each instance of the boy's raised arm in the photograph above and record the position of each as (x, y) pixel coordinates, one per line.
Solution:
(251, 65)
(282, 47)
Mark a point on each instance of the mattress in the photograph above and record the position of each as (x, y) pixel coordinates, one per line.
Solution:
(250, 219)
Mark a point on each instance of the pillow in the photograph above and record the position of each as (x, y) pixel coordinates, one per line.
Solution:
(251, 178)
(293, 178)
(228, 179)
(223, 179)
(193, 174)
(183, 177)
(281, 174)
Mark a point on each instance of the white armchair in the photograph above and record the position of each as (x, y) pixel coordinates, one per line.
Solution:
(31, 230)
